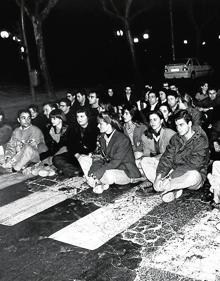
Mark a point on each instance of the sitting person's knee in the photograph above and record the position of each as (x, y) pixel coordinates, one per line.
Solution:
(195, 179)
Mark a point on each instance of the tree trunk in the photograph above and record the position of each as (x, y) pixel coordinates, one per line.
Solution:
(132, 51)
(198, 42)
(37, 26)
(27, 57)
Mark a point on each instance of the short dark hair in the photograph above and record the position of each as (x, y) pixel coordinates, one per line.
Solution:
(172, 93)
(34, 107)
(66, 101)
(22, 111)
(84, 109)
(183, 114)
(167, 106)
(58, 113)
(158, 113)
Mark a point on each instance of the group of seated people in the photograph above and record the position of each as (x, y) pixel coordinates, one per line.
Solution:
(163, 140)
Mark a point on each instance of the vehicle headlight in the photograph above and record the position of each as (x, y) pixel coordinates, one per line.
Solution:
(185, 68)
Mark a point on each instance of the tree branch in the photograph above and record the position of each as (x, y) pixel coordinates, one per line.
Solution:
(139, 12)
(47, 9)
(107, 11)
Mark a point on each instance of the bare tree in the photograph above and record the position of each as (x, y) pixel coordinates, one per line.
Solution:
(126, 11)
(37, 11)
(201, 13)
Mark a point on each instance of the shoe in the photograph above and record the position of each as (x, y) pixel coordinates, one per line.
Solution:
(98, 189)
(136, 180)
(171, 195)
(145, 184)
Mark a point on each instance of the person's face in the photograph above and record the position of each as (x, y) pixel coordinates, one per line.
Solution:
(92, 98)
(182, 127)
(70, 97)
(64, 107)
(24, 120)
(155, 122)
(205, 87)
(212, 94)
(146, 97)
(47, 110)
(82, 119)
(128, 90)
(33, 113)
(182, 105)
(173, 88)
(172, 101)
(110, 92)
(152, 98)
(164, 110)
(55, 121)
(79, 97)
(162, 95)
(166, 85)
(103, 126)
(127, 116)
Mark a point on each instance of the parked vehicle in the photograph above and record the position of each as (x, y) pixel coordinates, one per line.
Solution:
(187, 68)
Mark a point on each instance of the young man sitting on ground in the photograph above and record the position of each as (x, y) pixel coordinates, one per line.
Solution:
(184, 163)
(26, 142)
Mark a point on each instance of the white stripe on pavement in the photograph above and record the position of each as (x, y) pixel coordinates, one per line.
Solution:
(37, 202)
(95, 229)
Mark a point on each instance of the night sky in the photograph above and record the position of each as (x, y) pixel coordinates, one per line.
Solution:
(81, 46)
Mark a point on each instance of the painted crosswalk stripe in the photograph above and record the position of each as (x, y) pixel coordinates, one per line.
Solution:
(11, 179)
(193, 253)
(37, 202)
(95, 229)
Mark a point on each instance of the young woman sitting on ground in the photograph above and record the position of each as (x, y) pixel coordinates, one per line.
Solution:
(154, 141)
(116, 165)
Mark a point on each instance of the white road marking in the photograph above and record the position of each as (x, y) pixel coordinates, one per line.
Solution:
(37, 202)
(95, 229)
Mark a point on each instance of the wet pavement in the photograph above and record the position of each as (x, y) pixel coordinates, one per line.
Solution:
(175, 241)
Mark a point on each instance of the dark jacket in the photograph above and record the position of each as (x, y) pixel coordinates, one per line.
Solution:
(53, 146)
(183, 156)
(119, 155)
(82, 141)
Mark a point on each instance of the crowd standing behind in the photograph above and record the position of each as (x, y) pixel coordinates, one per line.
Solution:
(165, 138)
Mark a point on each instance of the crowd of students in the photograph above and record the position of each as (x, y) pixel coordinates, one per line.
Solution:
(165, 138)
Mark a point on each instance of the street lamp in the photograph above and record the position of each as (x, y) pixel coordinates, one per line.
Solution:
(219, 37)
(185, 42)
(4, 34)
(119, 32)
(146, 36)
(136, 40)
(203, 43)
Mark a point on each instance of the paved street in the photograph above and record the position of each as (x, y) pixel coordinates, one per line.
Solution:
(132, 238)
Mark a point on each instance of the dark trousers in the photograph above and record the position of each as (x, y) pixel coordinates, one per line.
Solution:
(67, 165)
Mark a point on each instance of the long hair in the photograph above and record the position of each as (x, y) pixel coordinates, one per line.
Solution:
(112, 119)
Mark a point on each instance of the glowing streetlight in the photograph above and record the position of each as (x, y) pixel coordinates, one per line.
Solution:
(4, 34)
(185, 42)
(119, 32)
(136, 40)
(203, 43)
(146, 36)
(219, 37)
